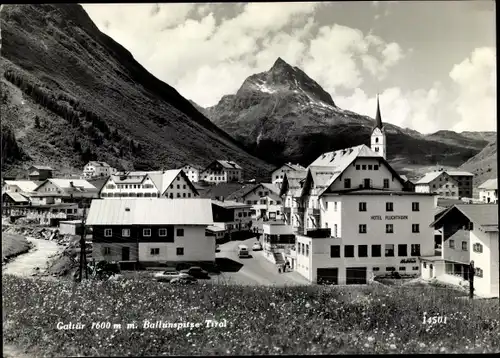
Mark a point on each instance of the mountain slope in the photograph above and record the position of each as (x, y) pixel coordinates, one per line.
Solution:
(287, 116)
(484, 164)
(71, 93)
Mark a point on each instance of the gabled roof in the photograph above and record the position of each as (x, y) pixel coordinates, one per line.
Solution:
(250, 188)
(458, 173)
(227, 164)
(292, 166)
(222, 190)
(98, 164)
(292, 183)
(338, 161)
(17, 197)
(195, 166)
(66, 184)
(41, 167)
(429, 177)
(484, 215)
(25, 185)
(229, 204)
(490, 184)
(150, 212)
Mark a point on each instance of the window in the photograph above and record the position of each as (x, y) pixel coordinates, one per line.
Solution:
(366, 183)
(376, 269)
(362, 206)
(376, 148)
(375, 167)
(162, 232)
(178, 178)
(178, 195)
(402, 268)
(255, 202)
(180, 251)
(357, 167)
(303, 248)
(189, 195)
(184, 186)
(363, 167)
(370, 167)
(477, 248)
(335, 251)
(389, 206)
(178, 186)
(389, 228)
(126, 232)
(249, 202)
(363, 251)
(106, 250)
(278, 202)
(335, 206)
(349, 251)
(146, 232)
(171, 195)
(180, 232)
(415, 250)
(335, 230)
(390, 269)
(171, 186)
(386, 183)
(108, 232)
(307, 250)
(402, 250)
(245, 214)
(183, 195)
(464, 245)
(452, 244)
(154, 251)
(415, 206)
(362, 228)
(478, 272)
(415, 268)
(425, 264)
(389, 250)
(376, 250)
(240, 215)
(347, 183)
(415, 228)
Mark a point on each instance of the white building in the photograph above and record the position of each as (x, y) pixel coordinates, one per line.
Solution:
(19, 186)
(488, 191)
(172, 184)
(95, 169)
(438, 182)
(222, 171)
(232, 216)
(265, 200)
(279, 173)
(355, 217)
(192, 171)
(152, 232)
(469, 232)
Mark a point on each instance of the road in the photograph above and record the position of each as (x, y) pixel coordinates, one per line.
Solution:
(25, 264)
(256, 270)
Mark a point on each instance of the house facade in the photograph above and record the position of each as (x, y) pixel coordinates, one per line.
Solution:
(222, 171)
(192, 171)
(279, 173)
(40, 172)
(438, 182)
(171, 184)
(465, 182)
(152, 232)
(235, 218)
(19, 186)
(94, 170)
(264, 199)
(488, 191)
(469, 233)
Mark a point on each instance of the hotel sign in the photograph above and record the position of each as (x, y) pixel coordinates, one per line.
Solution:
(390, 217)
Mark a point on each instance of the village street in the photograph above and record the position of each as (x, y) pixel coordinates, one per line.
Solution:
(256, 270)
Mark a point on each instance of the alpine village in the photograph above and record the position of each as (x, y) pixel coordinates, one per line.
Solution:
(345, 222)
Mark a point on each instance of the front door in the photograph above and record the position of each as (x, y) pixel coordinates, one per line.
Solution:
(125, 253)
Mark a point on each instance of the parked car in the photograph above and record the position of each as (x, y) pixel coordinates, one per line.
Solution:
(257, 246)
(184, 280)
(168, 275)
(196, 272)
(243, 251)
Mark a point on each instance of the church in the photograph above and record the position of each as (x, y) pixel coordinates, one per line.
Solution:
(355, 217)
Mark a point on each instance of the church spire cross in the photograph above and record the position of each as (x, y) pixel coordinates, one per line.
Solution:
(378, 117)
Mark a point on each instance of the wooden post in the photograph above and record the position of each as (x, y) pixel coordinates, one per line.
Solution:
(471, 280)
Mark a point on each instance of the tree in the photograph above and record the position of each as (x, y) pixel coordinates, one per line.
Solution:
(37, 122)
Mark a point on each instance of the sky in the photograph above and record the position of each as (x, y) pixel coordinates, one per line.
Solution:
(433, 63)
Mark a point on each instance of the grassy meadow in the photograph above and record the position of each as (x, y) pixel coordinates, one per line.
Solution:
(260, 320)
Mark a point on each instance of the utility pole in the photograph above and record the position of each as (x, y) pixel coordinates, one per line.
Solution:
(83, 256)
(471, 280)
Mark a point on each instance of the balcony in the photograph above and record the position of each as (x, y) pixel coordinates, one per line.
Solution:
(312, 211)
(438, 250)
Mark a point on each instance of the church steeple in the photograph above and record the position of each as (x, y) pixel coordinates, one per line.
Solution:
(378, 117)
(378, 139)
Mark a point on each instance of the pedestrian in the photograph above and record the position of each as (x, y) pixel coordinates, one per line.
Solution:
(279, 268)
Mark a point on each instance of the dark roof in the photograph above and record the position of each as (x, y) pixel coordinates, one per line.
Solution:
(221, 190)
(98, 183)
(374, 191)
(378, 117)
(242, 192)
(484, 215)
(447, 203)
